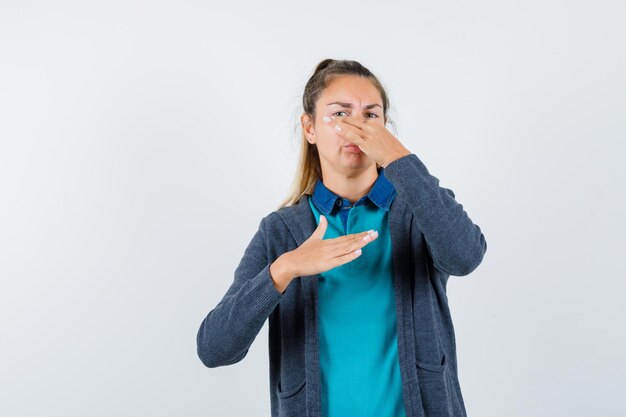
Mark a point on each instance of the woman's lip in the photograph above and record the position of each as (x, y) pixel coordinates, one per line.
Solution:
(353, 148)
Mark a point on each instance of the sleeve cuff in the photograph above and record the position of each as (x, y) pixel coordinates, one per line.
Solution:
(264, 295)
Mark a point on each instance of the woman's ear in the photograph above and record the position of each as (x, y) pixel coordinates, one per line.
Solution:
(307, 128)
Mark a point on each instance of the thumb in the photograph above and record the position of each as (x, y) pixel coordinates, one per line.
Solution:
(321, 228)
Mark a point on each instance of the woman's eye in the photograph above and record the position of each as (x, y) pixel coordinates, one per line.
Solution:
(371, 114)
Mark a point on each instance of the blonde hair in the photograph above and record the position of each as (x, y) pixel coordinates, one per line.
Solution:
(308, 170)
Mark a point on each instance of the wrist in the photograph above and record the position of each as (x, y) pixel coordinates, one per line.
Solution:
(280, 273)
(396, 157)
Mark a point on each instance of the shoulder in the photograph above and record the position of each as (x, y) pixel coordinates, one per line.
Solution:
(280, 218)
(278, 228)
(272, 221)
(290, 217)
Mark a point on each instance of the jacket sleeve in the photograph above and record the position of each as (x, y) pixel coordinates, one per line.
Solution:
(227, 332)
(455, 243)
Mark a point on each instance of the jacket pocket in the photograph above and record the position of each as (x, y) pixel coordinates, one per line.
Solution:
(434, 388)
(291, 400)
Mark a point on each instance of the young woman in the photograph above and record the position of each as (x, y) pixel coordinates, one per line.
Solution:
(351, 269)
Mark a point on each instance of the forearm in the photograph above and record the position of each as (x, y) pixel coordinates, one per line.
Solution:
(457, 245)
(227, 332)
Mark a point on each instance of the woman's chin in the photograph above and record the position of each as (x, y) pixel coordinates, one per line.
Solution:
(356, 159)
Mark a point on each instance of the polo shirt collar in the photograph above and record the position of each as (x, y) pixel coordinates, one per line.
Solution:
(381, 194)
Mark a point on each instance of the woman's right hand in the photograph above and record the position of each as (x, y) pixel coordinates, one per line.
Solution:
(317, 254)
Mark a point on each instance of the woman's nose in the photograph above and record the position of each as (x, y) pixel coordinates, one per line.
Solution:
(358, 117)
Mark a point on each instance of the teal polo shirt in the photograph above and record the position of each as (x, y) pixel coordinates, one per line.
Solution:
(360, 370)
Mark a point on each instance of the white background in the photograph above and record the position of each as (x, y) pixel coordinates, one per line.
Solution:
(142, 142)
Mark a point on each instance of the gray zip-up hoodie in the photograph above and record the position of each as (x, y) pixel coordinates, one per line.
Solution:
(432, 238)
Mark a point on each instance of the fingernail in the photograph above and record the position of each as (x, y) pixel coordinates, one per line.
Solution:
(358, 251)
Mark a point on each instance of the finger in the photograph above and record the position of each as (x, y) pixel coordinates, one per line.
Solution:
(359, 243)
(360, 127)
(369, 238)
(343, 259)
(356, 242)
(340, 240)
(320, 231)
(349, 131)
(341, 125)
(353, 137)
(356, 123)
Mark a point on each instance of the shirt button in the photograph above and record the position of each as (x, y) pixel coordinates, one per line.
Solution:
(339, 202)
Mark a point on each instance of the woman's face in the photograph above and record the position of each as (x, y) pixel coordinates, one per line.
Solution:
(346, 97)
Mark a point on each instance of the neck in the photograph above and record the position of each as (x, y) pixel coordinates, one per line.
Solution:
(352, 188)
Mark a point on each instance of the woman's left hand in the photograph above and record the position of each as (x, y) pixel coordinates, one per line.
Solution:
(372, 138)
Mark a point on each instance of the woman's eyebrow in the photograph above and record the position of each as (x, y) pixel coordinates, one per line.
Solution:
(349, 105)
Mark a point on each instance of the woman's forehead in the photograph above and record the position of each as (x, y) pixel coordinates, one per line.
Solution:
(351, 94)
